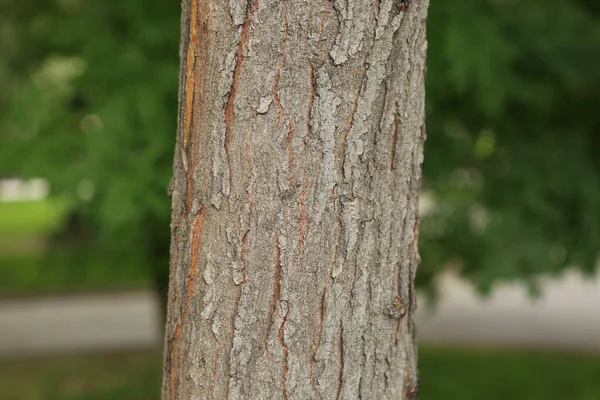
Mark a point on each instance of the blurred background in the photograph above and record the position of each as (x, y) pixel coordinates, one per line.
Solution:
(510, 234)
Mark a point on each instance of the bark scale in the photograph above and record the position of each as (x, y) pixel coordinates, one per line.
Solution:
(295, 198)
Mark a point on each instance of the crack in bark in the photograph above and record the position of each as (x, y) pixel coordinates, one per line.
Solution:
(277, 301)
(311, 103)
(190, 183)
(192, 280)
(288, 143)
(364, 359)
(193, 274)
(280, 64)
(416, 258)
(243, 256)
(394, 140)
(346, 130)
(317, 338)
(250, 174)
(355, 269)
(234, 316)
(341, 374)
(416, 261)
(197, 43)
(285, 370)
(321, 25)
(351, 118)
(216, 367)
(339, 239)
(396, 329)
(190, 73)
(276, 288)
(303, 220)
(229, 108)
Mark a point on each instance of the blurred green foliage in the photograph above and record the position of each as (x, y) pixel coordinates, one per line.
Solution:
(513, 138)
(445, 374)
(89, 102)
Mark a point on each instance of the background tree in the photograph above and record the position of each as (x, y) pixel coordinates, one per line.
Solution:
(511, 89)
(89, 105)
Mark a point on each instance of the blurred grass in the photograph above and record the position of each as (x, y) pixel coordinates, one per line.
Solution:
(29, 264)
(446, 374)
(29, 218)
(134, 376)
(475, 374)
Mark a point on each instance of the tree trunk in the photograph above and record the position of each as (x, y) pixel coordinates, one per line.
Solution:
(295, 195)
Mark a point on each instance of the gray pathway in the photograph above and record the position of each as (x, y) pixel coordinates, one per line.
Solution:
(568, 316)
(78, 322)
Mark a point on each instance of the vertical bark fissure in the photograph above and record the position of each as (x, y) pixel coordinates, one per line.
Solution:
(190, 73)
(285, 368)
(230, 107)
(341, 350)
(312, 100)
(394, 140)
(320, 327)
(216, 367)
(276, 292)
(288, 145)
(302, 220)
(280, 109)
(192, 279)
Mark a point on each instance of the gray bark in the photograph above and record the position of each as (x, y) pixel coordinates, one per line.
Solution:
(294, 216)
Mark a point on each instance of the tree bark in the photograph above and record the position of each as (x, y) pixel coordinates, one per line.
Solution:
(295, 198)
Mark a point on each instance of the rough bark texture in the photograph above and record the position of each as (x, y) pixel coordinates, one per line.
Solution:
(294, 217)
